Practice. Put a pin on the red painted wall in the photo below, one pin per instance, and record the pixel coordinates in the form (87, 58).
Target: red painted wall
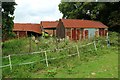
(102, 32)
(78, 34)
(106, 32)
(68, 33)
(86, 34)
(74, 35)
(20, 33)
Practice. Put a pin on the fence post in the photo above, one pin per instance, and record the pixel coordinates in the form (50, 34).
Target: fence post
(108, 41)
(78, 51)
(95, 45)
(46, 59)
(10, 63)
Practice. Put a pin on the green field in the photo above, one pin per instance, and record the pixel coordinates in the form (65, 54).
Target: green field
(105, 66)
(90, 63)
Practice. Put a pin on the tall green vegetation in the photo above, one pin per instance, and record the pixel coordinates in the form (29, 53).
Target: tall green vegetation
(7, 19)
(90, 60)
(108, 13)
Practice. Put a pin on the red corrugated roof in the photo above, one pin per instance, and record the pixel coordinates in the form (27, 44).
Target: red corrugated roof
(27, 27)
(77, 23)
(49, 24)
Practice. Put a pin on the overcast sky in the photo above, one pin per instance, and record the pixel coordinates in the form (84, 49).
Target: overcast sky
(34, 11)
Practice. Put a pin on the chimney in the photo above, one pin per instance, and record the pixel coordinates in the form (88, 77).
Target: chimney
(60, 20)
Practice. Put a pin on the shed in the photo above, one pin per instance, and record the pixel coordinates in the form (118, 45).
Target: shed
(49, 27)
(77, 29)
(26, 29)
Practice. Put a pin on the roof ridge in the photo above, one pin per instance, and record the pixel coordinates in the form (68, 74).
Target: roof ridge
(49, 21)
(83, 23)
(26, 23)
(83, 20)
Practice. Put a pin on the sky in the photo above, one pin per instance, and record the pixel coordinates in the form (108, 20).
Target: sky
(34, 11)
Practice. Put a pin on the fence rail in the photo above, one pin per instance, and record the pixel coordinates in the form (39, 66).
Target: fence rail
(46, 57)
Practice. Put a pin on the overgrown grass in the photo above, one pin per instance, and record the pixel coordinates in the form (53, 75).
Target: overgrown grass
(90, 63)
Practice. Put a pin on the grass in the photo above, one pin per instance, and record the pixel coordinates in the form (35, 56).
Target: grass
(96, 67)
(90, 64)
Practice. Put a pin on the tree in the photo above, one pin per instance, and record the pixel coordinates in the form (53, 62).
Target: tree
(7, 19)
(108, 13)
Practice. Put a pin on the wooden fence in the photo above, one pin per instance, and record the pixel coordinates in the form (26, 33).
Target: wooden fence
(46, 56)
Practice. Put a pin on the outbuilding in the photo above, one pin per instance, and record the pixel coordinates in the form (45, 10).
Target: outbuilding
(26, 29)
(49, 27)
(76, 29)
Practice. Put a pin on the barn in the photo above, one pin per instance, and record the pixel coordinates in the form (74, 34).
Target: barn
(76, 29)
(49, 27)
(26, 29)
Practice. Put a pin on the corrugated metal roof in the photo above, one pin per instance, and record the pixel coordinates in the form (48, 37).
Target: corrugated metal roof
(27, 27)
(77, 23)
(49, 24)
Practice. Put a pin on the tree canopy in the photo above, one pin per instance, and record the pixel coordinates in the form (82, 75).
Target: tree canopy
(7, 19)
(106, 12)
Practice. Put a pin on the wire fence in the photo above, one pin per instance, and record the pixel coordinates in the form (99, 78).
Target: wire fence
(46, 56)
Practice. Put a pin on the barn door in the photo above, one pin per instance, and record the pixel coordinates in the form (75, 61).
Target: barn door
(78, 34)
(106, 32)
(74, 34)
(101, 32)
(68, 33)
(82, 34)
(86, 34)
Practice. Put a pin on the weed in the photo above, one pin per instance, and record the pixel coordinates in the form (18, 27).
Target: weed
(51, 73)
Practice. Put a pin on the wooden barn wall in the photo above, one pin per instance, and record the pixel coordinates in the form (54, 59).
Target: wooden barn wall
(91, 32)
(80, 33)
(50, 32)
(97, 33)
(86, 33)
(20, 33)
(68, 33)
(103, 32)
(25, 34)
(74, 33)
(60, 30)
(106, 31)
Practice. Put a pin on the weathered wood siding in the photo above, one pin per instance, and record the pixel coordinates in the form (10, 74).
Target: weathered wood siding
(91, 32)
(68, 33)
(20, 33)
(95, 32)
(106, 31)
(51, 32)
(60, 30)
(74, 34)
(78, 34)
(103, 32)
